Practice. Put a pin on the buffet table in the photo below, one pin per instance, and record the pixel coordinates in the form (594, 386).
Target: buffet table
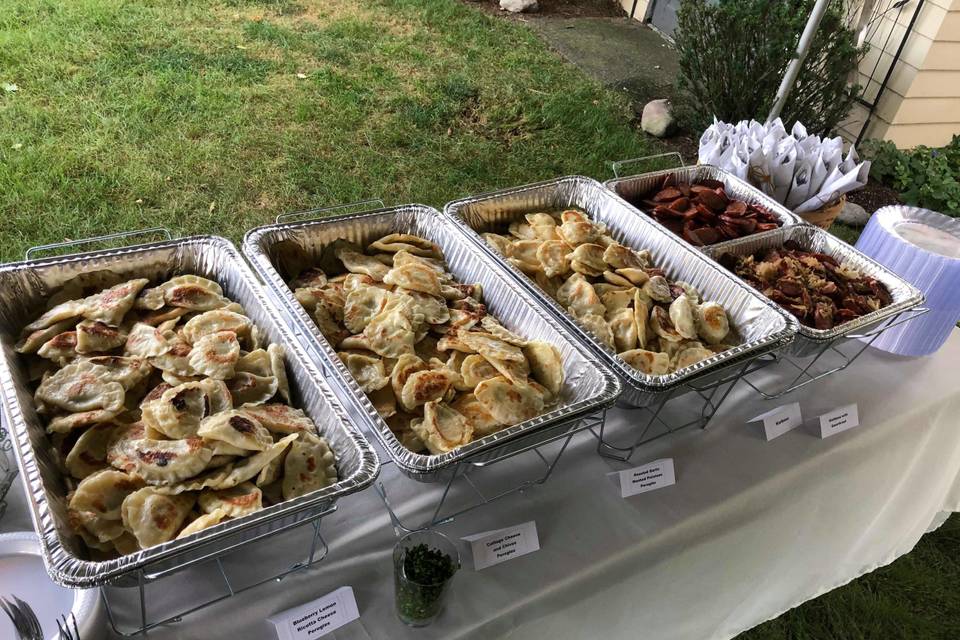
(751, 529)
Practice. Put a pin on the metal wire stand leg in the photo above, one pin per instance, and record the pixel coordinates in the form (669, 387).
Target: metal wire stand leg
(807, 369)
(710, 397)
(461, 475)
(318, 551)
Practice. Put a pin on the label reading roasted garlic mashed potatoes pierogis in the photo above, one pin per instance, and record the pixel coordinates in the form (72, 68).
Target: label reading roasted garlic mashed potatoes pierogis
(166, 411)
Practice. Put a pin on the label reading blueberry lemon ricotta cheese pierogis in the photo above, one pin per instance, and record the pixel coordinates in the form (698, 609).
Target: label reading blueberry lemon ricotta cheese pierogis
(317, 618)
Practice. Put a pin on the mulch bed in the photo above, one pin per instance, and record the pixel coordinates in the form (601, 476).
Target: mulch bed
(557, 9)
(873, 196)
(686, 144)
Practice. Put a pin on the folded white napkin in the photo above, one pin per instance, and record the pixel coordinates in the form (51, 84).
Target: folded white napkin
(801, 171)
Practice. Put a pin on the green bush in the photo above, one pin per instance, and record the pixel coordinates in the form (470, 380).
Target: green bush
(924, 177)
(733, 54)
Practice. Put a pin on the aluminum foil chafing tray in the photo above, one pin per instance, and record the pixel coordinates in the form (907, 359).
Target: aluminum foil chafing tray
(762, 326)
(632, 188)
(280, 250)
(24, 288)
(809, 340)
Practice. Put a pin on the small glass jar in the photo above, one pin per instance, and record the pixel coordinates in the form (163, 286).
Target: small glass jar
(419, 603)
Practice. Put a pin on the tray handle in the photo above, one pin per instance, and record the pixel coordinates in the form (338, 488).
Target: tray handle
(353, 207)
(32, 252)
(620, 164)
(905, 316)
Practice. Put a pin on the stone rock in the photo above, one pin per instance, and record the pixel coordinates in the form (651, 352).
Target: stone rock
(853, 215)
(657, 119)
(519, 6)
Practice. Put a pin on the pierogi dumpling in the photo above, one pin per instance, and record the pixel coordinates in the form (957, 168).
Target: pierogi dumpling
(81, 386)
(235, 502)
(154, 518)
(356, 262)
(94, 336)
(146, 341)
(475, 369)
(236, 428)
(442, 428)
(103, 492)
(144, 448)
(249, 388)
(682, 316)
(168, 461)
(202, 522)
(279, 419)
(480, 420)
(89, 453)
(193, 293)
(309, 466)
(215, 355)
(215, 321)
(649, 362)
(509, 403)
(367, 371)
(713, 322)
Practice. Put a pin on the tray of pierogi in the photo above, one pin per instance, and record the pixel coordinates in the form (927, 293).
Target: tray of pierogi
(445, 358)
(161, 412)
(662, 315)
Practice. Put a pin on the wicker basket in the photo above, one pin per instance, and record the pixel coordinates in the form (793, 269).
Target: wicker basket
(825, 215)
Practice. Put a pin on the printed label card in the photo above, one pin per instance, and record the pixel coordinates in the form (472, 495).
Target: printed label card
(839, 420)
(317, 618)
(780, 420)
(651, 476)
(493, 547)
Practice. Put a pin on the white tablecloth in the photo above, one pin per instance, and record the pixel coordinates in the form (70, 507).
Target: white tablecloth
(751, 529)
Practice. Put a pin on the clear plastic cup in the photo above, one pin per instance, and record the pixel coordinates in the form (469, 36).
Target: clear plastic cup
(419, 603)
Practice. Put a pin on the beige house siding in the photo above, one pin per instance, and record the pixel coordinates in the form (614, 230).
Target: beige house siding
(921, 102)
(929, 111)
(890, 29)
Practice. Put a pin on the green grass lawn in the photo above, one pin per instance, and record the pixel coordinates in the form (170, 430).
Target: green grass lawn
(213, 117)
(914, 598)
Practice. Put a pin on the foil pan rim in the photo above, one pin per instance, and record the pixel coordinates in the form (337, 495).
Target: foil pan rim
(67, 569)
(638, 380)
(403, 457)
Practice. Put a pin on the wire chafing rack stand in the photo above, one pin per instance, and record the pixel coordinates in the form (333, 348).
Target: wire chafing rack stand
(118, 598)
(829, 358)
(689, 404)
(472, 476)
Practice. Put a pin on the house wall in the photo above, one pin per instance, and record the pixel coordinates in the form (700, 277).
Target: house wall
(640, 13)
(921, 104)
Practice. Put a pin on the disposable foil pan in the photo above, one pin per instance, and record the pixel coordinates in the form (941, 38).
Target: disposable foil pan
(280, 250)
(762, 326)
(631, 188)
(24, 288)
(809, 340)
